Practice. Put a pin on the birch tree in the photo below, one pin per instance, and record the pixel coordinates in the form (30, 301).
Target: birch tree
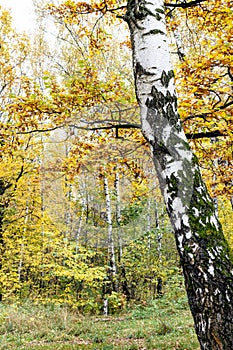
(111, 248)
(204, 252)
(118, 213)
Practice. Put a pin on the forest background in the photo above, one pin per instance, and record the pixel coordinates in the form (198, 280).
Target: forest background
(82, 221)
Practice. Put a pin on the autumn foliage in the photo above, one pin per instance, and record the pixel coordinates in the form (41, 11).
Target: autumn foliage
(69, 117)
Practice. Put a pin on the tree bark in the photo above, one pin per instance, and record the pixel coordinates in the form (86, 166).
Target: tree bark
(3, 206)
(204, 253)
(118, 213)
(111, 247)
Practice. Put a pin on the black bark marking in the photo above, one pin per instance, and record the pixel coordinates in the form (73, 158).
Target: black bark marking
(171, 98)
(173, 186)
(158, 17)
(139, 70)
(154, 32)
(172, 115)
(158, 101)
(166, 77)
(165, 105)
(159, 11)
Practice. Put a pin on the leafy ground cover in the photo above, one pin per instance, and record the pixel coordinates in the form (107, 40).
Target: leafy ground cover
(161, 324)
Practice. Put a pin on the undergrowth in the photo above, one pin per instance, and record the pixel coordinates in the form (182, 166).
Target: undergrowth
(161, 324)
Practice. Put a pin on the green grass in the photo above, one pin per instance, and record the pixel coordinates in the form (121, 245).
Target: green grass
(163, 324)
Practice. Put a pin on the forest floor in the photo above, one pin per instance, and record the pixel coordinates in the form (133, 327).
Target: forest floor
(162, 324)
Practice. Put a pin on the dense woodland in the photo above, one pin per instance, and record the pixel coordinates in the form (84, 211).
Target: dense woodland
(82, 219)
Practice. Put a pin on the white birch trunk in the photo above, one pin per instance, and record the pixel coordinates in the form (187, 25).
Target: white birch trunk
(77, 235)
(111, 249)
(159, 232)
(204, 252)
(118, 213)
(105, 307)
(68, 195)
(149, 222)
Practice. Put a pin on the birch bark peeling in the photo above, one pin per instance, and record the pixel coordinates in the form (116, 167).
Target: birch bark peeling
(205, 255)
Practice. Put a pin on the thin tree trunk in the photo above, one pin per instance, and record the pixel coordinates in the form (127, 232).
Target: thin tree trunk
(111, 248)
(157, 225)
(159, 234)
(118, 213)
(68, 193)
(149, 222)
(2, 243)
(77, 234)
(41, 161)
(20, 265)
(204, 253)
(3, 206)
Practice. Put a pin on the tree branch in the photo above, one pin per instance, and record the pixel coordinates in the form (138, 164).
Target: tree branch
(185, 4)
(108, 127)
(124, 125)
(111, 124)
(208, 134)
(33, 131)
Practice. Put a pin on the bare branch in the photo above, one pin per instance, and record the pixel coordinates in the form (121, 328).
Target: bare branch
(208, 134)
(185, 4)
(33, 131)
